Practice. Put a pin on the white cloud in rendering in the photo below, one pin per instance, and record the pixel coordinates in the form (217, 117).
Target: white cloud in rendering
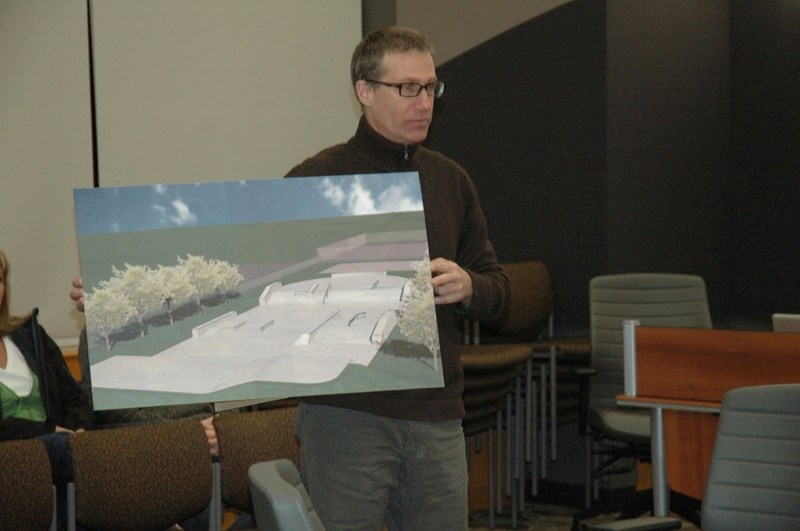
(332, 192)
(183, 214)
(396, 199)
(358, 200)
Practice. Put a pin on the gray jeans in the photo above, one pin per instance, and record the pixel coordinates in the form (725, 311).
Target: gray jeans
(363, 470)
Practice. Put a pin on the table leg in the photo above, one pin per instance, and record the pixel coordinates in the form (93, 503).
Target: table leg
(660, 486)
(553, 424)
(543, 413)
(529, 427)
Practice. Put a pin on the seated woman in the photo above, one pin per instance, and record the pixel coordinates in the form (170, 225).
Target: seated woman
(38, 394)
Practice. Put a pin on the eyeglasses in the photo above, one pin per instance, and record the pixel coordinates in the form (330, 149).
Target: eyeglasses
(412, 90)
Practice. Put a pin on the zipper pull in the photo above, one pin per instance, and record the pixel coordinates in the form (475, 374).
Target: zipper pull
(405, 153)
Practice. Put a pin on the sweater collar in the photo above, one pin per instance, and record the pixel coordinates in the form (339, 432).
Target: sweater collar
(380, 151)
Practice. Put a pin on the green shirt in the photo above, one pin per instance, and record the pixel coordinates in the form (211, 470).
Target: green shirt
(28, 407)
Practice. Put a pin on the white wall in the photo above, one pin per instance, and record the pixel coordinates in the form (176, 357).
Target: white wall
(186, 90)
(45, 151)
(212, 89)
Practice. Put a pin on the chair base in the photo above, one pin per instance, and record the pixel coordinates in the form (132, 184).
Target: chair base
(630, 502)
(636, 504)
(652, 523)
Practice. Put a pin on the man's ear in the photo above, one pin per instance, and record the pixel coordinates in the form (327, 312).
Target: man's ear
(364, 92)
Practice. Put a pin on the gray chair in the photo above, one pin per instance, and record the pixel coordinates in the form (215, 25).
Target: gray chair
(616, 436)
(754, 477)
(280, 500)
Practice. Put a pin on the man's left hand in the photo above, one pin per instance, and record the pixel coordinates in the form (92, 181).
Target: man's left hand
(450, 283)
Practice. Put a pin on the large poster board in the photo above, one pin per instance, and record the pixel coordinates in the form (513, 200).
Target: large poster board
(259, 289)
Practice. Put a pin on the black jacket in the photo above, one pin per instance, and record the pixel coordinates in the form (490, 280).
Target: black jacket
(65, 402)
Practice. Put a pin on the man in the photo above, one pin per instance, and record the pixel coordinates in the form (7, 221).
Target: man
(399, 457)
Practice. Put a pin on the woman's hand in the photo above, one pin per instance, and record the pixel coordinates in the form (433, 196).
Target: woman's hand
(62, 429)
(76, 293)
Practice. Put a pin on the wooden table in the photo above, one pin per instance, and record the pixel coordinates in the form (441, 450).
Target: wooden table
(682, 374)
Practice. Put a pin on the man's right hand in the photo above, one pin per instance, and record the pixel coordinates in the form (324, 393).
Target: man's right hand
(76, 293)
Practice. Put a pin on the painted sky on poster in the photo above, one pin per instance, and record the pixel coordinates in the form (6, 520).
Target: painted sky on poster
(120, 209)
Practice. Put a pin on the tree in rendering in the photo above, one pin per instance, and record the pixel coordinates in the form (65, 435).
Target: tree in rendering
(417, 320)
(106, 311)
(227, 277)
(175, 288)
(199, 272)
(139, 285)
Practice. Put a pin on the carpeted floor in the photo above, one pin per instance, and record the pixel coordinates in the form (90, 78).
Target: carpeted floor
(536, 516)
(540, 517)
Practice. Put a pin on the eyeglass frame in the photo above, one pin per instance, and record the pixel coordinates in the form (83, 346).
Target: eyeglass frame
(436, 87)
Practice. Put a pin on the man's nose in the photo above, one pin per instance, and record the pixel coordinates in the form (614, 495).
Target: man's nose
(423, 101)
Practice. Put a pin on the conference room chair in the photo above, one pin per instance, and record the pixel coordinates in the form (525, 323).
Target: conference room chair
(280, 499)
(493, 393)
(531, 322)
(530, 306)
(146, 477)
(27, 492)
(530, 309)
(616, 438)
(250, 437)
(754, 477)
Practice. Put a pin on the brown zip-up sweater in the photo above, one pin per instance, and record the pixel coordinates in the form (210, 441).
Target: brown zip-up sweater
(456, 231)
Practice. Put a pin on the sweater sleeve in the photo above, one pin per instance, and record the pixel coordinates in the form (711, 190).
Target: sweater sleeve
(491, 288)
(72, 408)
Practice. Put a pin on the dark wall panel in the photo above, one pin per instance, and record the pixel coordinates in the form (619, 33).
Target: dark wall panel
(765, 140)
(668, 125)
(525, 115)
(620, 135)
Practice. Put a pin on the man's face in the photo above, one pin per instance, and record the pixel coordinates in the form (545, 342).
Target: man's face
(400, 119)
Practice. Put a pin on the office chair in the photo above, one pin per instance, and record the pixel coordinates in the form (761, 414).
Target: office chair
(754, 478)
(280, 499)
(615, 435)
(530, 306)
(491, 348)
(492, 383)
(26, 486)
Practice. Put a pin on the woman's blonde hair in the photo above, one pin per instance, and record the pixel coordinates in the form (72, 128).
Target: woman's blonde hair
(8, 322)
